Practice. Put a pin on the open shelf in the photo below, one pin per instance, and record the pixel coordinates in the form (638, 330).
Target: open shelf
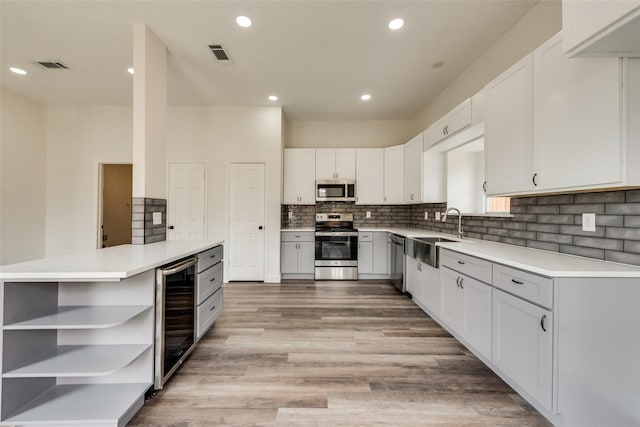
(81, 404)
(82, 317)
(79, 361)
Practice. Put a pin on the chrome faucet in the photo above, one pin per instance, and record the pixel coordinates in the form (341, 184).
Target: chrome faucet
(444, 218)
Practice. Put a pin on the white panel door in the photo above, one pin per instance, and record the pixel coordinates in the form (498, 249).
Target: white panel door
(246, 221)
(346, 163)
(522, 344)
(508, 125)
(393, 175)
(576, 119)
(370, 176)
(185, 216)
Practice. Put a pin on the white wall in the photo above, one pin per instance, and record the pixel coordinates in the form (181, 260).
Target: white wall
(347, 134)
(543, 21)
(22, 179)
(223, 135)
(78, 139)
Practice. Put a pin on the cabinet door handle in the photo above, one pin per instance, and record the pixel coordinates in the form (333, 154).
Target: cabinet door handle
(460, 262)
(535, 175)
(517, 282)
(461, 285)
(544, 316)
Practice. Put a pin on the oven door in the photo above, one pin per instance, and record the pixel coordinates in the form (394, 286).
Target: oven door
(336, 246)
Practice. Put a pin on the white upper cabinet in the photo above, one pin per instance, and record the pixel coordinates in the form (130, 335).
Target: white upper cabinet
(336, 163)
(413, 170)
(508, 130)
(299, 176)
(601, 28)
(457, 124)
(370, 176)
(577, 138)
(393, 175)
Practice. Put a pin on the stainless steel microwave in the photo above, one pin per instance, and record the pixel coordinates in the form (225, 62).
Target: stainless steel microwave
(336, 190)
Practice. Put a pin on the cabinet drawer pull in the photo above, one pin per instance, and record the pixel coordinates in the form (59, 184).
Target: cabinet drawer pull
(212, 308)
(517, 282)
(544, 316)
(460, 262)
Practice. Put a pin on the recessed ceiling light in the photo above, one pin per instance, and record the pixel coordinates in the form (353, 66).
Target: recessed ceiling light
(243, 21)
(17, 70)
(396, 24)
(130, 70)
(365, 97)
(273, 98)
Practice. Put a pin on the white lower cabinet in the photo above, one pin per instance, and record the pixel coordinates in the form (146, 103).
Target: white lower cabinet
(431, 296)
(522, 344)
(414, 277)
(466, 308)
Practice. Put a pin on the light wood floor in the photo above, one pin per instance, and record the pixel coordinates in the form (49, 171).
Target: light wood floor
(331, 354)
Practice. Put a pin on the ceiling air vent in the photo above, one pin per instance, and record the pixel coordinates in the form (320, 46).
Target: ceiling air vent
(219, 52)
(52, 64)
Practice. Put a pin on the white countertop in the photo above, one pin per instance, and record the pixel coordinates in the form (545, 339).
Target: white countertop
(109, 264)
(546, 263)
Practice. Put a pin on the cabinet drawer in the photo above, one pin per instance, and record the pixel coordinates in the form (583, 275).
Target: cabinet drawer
(473, 267)
(209, 257)
(297, 236)
(209, 281)
(531, 287)
(365, 236)
(208, 311)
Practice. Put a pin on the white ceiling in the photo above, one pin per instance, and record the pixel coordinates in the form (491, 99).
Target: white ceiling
(317, 56)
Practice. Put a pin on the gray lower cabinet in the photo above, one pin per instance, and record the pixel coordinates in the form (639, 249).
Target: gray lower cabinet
(373, 262)
(297, 255)
(209, 289)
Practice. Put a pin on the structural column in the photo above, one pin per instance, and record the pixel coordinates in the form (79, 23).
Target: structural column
(149, 205)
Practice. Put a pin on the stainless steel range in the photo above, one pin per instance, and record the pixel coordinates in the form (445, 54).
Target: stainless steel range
(336, 247)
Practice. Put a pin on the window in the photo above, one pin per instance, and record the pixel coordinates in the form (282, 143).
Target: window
(498, 204)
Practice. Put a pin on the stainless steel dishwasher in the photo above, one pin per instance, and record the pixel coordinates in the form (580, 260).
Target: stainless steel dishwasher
(396, 271)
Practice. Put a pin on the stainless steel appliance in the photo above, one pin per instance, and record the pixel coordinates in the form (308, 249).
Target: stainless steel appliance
(336, 247)
(424, 249)
(175, 317)
(396, 271)
(336, 190)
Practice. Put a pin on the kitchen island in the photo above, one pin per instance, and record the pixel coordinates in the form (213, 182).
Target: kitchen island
(77, 334)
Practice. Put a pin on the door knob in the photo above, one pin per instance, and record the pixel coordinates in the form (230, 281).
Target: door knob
(171, 227)
(260, 228)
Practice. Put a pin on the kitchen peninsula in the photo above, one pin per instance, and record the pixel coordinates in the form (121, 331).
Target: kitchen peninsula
(78, 333)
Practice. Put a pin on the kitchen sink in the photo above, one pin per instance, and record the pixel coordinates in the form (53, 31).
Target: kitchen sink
(424, 249)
